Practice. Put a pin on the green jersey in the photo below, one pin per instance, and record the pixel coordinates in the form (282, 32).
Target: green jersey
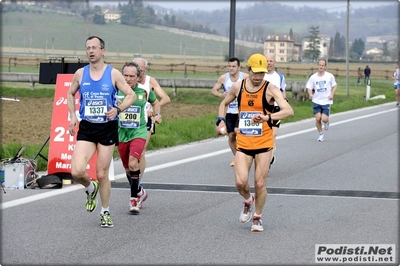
(132, 122)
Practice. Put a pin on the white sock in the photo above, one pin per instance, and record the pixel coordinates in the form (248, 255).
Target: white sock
(90, 188)
(105, 209)
(250, 199)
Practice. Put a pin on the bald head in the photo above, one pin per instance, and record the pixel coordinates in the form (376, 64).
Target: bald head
(142, 63)
(271, 63)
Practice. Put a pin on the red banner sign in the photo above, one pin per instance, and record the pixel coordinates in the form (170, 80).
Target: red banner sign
(62, 144)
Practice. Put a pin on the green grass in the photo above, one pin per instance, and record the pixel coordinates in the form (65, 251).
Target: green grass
(26, 30)
(182, 131)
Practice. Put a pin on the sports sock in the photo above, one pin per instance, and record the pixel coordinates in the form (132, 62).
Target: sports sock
(129, 179)
(90, 188)
(135, 183)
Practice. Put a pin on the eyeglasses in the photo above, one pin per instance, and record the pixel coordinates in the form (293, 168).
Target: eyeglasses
(93, 48)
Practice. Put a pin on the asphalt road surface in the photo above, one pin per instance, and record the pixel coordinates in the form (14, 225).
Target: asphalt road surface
(343, 191)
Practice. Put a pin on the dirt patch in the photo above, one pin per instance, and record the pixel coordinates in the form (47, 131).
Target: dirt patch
(29, 121)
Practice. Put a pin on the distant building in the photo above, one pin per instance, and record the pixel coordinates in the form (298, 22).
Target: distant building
(378, 41)
(282, 47)
(26, 3)
(374, 51)
(323, 46)
(112, 16)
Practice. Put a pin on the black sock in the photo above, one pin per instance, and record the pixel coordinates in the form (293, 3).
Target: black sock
(135, 175)
(129, 179)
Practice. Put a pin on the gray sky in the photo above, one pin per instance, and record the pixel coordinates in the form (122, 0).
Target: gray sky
(334, 6)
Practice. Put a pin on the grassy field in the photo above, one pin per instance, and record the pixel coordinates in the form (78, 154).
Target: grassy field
(181, 131)
(26, 30)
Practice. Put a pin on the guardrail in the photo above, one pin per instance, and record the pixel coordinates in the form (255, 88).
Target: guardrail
(32, 78)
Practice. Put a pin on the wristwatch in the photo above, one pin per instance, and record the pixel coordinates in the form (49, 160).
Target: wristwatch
(219, 119)
(159, 115)
(118, 110)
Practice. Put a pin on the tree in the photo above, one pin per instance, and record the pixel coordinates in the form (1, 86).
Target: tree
(385, 50)
(140, 14)
(98, 17)
(312, 50)
(127, 13)
(151, 16)
(337, 45)
(357, 47)
(342, 46)
(330, 52)
(291, 34)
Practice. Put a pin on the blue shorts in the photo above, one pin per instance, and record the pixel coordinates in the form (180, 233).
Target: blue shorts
(397, 86)
(324, 109)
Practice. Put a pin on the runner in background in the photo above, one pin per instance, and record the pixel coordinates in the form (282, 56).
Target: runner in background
(225, 82)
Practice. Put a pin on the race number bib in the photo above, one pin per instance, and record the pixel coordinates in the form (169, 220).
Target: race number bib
(246, 127)
(321, 86)
(233, 104)
(95, 110)
(130, 118)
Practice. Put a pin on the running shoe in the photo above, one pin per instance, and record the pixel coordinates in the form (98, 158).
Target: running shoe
(91, 197)
(133, 205)
(142, 198)
(105, 219)
(326, 125)
(232, 162)
(321, 137)
(257, 224)
(247, 212)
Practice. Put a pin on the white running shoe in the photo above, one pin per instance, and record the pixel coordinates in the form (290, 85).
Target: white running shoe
(321, 137)
(326, 125)
(257, 224)
(247, 212)
(133, 205)
(142, 198)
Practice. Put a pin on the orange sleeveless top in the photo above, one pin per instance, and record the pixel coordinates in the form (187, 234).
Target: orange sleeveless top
(253, 136)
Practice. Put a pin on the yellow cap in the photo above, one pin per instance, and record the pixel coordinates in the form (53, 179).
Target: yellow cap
(258, 63)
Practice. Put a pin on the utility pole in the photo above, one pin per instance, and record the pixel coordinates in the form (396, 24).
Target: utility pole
(398, 37)
(347, 49)
(232, 29)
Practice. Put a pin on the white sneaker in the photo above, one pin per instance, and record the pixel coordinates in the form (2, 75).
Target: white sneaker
(142, 198)
(232, 162)
(247, 212)
(326, 125)
(321, 137)
(134, 208)
(257, 224)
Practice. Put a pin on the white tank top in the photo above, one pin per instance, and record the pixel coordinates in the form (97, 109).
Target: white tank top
(233, 106)
(146, 87)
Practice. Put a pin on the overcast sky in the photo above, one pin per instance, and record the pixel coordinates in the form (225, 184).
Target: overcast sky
(334, 6)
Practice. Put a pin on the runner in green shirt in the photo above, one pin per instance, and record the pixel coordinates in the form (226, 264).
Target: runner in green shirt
(132, 132)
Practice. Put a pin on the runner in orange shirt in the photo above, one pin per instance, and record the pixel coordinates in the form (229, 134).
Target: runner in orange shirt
(255, 139)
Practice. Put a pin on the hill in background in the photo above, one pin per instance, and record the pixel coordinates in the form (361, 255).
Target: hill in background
(58, 30)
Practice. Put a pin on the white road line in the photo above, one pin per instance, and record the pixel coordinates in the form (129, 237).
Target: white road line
(64, 190)
(13, 203)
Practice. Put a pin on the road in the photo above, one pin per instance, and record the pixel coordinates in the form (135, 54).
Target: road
(344, 190)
